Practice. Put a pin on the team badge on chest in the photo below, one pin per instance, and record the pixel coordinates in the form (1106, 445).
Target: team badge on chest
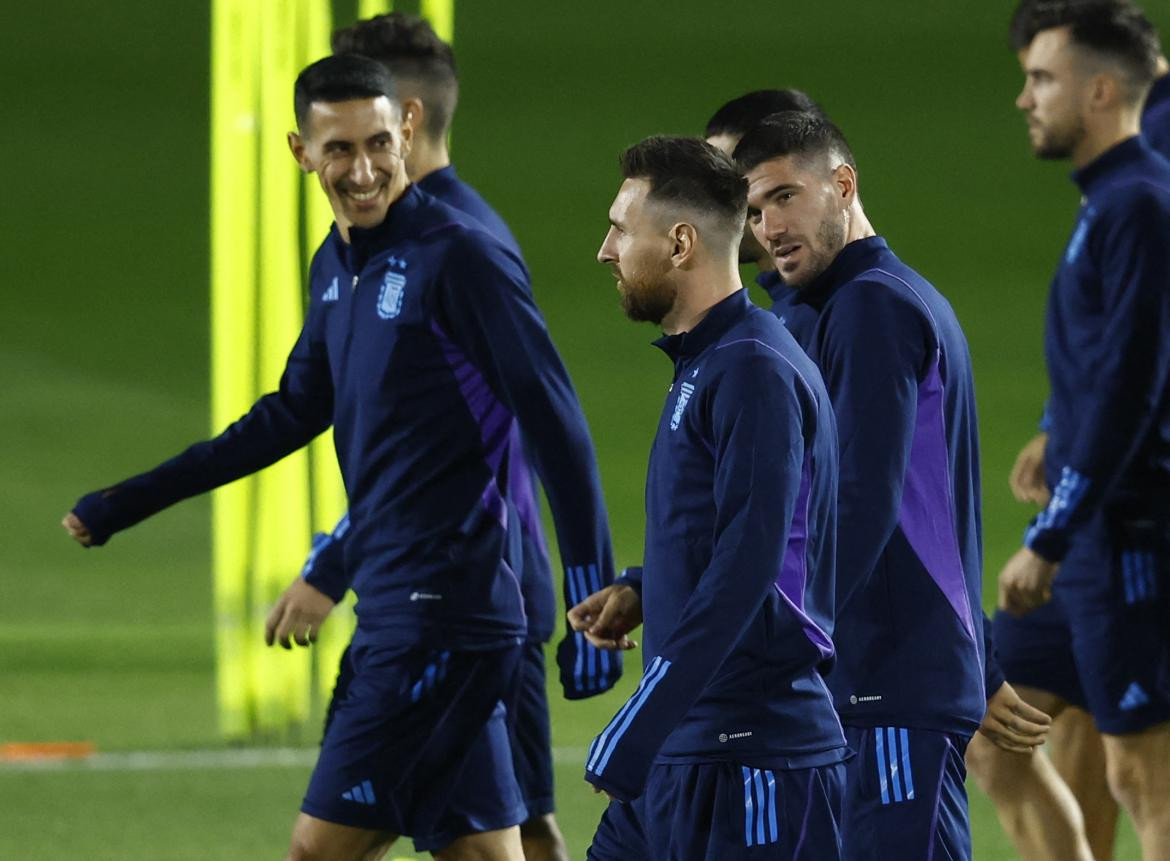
(390, 296)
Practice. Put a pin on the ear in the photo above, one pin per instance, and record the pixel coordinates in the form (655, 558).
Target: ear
(296, 146)
(414, 112)
(1103, 91)
(410, 121)
(845, 185)
(684, 241)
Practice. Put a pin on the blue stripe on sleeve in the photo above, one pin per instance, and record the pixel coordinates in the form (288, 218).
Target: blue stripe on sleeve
(649, 683)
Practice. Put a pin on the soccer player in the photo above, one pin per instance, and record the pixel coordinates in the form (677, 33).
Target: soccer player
(730, 747)
(420, 345)
(909, 678)
(1107, 342)
(424, 70)
(725, 129)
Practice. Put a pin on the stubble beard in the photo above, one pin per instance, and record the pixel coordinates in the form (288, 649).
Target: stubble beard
(645, 300)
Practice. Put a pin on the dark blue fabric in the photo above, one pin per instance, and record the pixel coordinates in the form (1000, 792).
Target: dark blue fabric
(1114, 589)
(325, 570)
(799, 318)
(421, 345)
(530, 733)
(909, 537)
(905, 796)
(1107, 344)
(737, 581)
(417, 744)
(1036, 651)
(725, 811)
(1156, 116)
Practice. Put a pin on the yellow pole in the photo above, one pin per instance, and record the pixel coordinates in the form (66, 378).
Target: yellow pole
(233, 286)
(282, 521)
(441, 15)
(370, 8)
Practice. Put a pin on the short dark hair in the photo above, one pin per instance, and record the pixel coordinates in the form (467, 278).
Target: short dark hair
(739, 116)
(340, 78)
(1117, 31)
(413, 52)
(691, 172)
(792, 133)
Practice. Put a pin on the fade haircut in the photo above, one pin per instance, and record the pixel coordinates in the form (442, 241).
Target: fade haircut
(1115, 32)
(340, 79)
(415, 55)
(739, 116)
(689, 172)
(798, 133)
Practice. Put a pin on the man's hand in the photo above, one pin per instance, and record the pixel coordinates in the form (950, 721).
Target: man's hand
(1027, 476)
(606, 617)
(77, 530)
(298, 614)
(1025, 582)
(1012, 724)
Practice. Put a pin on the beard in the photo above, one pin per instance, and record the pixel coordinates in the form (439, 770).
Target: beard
(646, 300)
(830, 239)
(1059, 142)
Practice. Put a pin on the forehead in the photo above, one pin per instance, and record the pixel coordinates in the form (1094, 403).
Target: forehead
(786, 170)
(355, 118)
(630, 200)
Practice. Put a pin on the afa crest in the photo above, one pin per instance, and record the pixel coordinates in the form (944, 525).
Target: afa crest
(390, 296)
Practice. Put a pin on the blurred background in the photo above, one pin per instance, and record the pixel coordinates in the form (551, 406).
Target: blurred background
(104, 356)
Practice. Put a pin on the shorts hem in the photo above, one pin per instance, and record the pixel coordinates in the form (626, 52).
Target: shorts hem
(538, 807)
(357, 821)
(433, 842)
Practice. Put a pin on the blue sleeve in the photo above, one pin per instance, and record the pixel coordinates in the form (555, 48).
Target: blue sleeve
(1130, 384)
(324, 568)
(758, 448)
(277, 425)
(488, 309)
(631, 577)
(993, 677)
(874, 352)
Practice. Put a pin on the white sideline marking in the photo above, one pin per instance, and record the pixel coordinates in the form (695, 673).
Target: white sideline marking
(212, 758)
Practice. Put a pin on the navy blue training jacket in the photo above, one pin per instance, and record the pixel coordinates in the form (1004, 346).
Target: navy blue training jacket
(1156, 116)
(421, 344)
(325, 568)
(737, 585)
(799, 318)
(911, 650)
(1107, 344)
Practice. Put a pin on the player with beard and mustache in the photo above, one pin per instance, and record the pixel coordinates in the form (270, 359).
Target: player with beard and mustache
(730, 747)
(1107, 343)
(909, 679)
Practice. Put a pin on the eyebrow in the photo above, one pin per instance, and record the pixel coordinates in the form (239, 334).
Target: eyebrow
(616, 223)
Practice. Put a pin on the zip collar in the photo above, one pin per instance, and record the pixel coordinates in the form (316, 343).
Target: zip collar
(720, 318)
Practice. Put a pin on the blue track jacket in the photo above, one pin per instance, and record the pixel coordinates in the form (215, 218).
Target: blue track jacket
(420, 345)
(737, 585)
(1107, 344)
(325, 567)
(910, 639)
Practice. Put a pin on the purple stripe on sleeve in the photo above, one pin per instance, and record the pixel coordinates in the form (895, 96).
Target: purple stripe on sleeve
(793, 575)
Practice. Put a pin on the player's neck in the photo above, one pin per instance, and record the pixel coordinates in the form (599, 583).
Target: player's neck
(425, 158)
(701, 290)
(1104, 136)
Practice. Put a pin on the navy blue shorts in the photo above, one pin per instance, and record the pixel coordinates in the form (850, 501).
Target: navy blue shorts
(1114, 585)
(530, 736)
(904, 796)
(1036, 650)
(416, 743)
(722, 811)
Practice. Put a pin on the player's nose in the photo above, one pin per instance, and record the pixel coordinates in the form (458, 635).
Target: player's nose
(361, 172)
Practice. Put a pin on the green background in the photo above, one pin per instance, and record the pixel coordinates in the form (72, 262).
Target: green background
(104, 328)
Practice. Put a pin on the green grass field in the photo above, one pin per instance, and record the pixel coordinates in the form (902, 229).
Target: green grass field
(104, 330)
